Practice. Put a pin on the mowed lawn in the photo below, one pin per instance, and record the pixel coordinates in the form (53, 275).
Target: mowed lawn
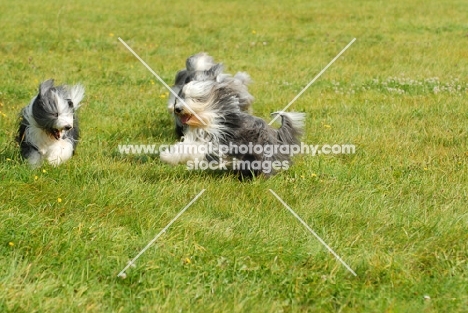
(395, 211)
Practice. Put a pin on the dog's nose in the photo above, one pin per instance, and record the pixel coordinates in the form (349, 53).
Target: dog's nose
(177, 109)
(67, 128)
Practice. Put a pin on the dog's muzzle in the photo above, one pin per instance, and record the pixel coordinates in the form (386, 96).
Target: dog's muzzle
(58, 133)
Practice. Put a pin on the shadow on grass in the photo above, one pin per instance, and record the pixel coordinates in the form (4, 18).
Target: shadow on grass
(181, 175)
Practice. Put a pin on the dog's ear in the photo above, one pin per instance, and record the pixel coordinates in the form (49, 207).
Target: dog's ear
(76, 93)
(214, 71)
(191, 62)
(45, 86)
(181, 77)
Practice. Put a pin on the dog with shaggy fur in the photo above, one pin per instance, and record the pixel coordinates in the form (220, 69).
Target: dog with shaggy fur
(212, 117)
(48, 128)
(202, 67)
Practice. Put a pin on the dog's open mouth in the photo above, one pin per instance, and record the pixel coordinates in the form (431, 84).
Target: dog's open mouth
(55, 133)
(185, 118)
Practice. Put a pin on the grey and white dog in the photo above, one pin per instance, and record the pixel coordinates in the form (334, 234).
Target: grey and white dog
(49, 126)
(202, 67)
(213, 119)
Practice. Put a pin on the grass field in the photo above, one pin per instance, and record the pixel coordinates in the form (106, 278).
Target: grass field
(395, 211)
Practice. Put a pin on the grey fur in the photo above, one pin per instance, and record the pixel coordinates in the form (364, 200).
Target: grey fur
(44, 107)
(234, 126)
(43, 114)
(201, 67)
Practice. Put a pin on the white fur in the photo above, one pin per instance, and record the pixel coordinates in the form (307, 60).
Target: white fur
(196, 95)
(172, 98)
(243, 77)
(182, 152)
(203, 62)
(198, 89)
(197, 139)
(77, 93)
(297, 119)
(49, 149)
(64, 119)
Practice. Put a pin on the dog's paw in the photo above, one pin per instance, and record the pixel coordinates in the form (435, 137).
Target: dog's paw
(182, 152)
(167, 157)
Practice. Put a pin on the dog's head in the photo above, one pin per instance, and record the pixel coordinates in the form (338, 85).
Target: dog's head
(194, 107)
(203, 104)
(54, 107)
(200, 67)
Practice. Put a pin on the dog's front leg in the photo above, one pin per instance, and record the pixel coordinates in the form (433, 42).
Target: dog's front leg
(182, 152)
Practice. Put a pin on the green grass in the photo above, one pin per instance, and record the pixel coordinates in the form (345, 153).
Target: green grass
(395, 211)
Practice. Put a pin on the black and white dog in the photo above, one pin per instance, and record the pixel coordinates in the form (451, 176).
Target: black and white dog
(49, 126)
(213, 121)
(202, 67)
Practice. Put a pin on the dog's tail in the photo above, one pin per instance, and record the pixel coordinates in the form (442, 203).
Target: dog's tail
(292, 127)
(76, 95)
